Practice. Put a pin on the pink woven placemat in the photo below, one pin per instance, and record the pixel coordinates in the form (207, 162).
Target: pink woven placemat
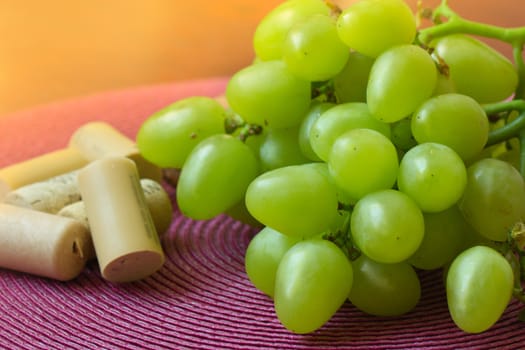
(201, 298)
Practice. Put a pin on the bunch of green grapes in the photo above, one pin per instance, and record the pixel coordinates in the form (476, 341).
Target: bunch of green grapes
(367, 150)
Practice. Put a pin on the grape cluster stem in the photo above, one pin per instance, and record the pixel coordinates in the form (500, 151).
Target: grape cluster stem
(514, 251)
(447, 22)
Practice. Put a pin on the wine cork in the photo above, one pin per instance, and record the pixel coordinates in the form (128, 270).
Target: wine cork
(124, 236)
(96, 140)
(40, 168)
(41, 244)
(157, 201)
(49, 196)
(159, 204)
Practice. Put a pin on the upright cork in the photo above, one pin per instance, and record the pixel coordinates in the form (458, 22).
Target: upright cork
(123, 233)
(157, 201)
(96, 140)
(42, 244)
(40, 168)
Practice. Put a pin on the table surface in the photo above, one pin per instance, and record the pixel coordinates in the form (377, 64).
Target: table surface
(201, 298)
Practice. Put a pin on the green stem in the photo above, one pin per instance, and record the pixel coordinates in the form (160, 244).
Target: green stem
(522, 151)
(233, 124)
(457, 24)
(512, 250)
(505, 106)
(510, 130)
(517, 51)
(248, 130)
(515, 128)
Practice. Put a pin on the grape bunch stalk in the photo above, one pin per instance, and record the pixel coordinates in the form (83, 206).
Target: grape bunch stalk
(365, 149)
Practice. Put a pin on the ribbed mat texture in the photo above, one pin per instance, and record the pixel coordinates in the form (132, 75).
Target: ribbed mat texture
(201, 298)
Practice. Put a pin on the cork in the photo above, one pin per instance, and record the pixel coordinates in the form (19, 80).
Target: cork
(126, 242)
(159, 204)
(41, 244)
(96, 140)
(157, 201)
(49, 196)
(40, 168)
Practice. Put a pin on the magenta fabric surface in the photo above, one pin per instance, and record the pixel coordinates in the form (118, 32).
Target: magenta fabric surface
(201, 298)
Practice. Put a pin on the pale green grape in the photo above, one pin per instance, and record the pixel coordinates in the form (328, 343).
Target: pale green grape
(433, 175)
(313, 280)
(263, 255)
(168, 136)
(401, 134)
(476, 69)
(373, 26)
(494, 199)
(342, 197)
(279, 148)
(479, 287)
(240, 213)
(268, 94)
(511, 156)
(350, 84)
(363, 161)
(384, 289)
(473, 238)
(305, 128)
(215, 176)
(387, 226)
(312, 49)
(297, 200)
(400, 80)
(444, 85)
(339, 119)
(273, 28)
(454, 120)
(444, 239)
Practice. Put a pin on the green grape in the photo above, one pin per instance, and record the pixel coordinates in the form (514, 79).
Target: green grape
(373, 26)
(339, 119)
(240, 213)
(350, 84)
(342, 197)
(479, 287)
(511, 156)
(384, 289)
(476, 69)
(400, 80)
(401, 134)
(215, 176)
(362, 161)
(454, 120)
(444, 85)
(268, 94)
(494, 199)
(297, 200)
(255, 141)
(472, 238)
(273, 28)
(305, 128)
(387, 226)
(312, 49)
(313, 280)
(168, 136)
(279, 148)
(263, 255)
(444, 238)
(433, 175)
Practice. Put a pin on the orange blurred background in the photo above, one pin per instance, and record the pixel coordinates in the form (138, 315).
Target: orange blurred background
(57, 49)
